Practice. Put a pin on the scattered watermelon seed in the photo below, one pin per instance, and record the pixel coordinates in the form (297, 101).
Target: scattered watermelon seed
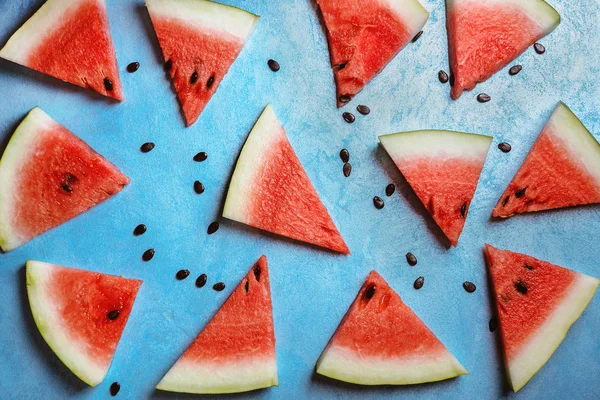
(347, 169)
(67, 188)
(213, 227)
(529, 267)
(114, 314)
(419, 283)
(469, 287)
(493, 324)
(515, 69)
(182, 274)
(345, 155)
(505, 201)
(139, 230)
(198, 187)
(257, 273)
(194, 78)
(417, 36)
(505, 147)
(520, 193)
(202, 156)
(345, 98)
(370, 291)
(362, 109)
(147, 147)
(539, 48)
(114, 388)
(108, 85)
(274, 65)
(483, 98)
(443, 76)
(247, 286)
(390, 189)
(201, 281)
(168, 65)
(463, 209)
(219, 286)
(132, 67)
(521, 287)
(148, 255)
(378, 202)
(411, 259)
(348, 117)
(210, 81)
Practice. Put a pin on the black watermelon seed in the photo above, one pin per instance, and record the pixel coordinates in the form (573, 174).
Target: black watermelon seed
(139, 230)
(378, 202)
(520, 193)
(348, 117)
(202, 156)
(210, 81)
(515, 69)
(505, 201)
(483, 98)
(213, 227)
(147, 147)
(451, 80)
(493, 324)
(198, 187)
(505, 147)
(390, 189)
(114, 388)
(66, 188)
(247, 285)
(469, 287)
(345, 155)
(219, 286)
(419, 283)
(521, 287)
(194, 78)
(134, 66)
(182, 274)
(463, 209)
(411, 259)
(340, 66)
(148, 255)
(201, 281)
(168, 65)
(539, 48)
(257, 273)
(274, 65)
(529, 267)
(417, 36)
(364, 110)
(108, 85)
(114, 314)
(347, 169)
(370, 291)
(443, 76)
(345, 98)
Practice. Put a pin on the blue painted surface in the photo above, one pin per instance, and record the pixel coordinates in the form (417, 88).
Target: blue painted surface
(311, 288)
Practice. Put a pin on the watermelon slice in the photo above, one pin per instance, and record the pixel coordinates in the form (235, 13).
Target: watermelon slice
(443, 168)
(364, 35)
(537, 304)
(200, 40)
(48, 176)
(381, 341)
(236, 350)
(80, 314)
(486, 35)
(562, 169)
(69, 40)
(270, 190)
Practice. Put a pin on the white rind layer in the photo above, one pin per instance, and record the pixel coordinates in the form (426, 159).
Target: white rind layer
(204, 14)
(413, 14)
(540, 347)
(577, 140)
(37, 28)
(187, 377)
(263, 135)
(436, 145)
(20, 146)
(49, 324)
(348, 366)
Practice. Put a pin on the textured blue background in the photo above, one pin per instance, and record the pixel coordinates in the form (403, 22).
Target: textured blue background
(311, 288)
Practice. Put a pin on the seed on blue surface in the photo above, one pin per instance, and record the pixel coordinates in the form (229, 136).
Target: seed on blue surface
(132, 67)
(483, 98)
(419, 283)
(348, 117)
(493, 324)
(539, 48)
(417, 36)
(114, 388)
(114, 314)
(198, 187)
(378, 202)
(108, 85)
(364, 110)
(147, 147)
(202, 156)
(273, 65)
(345, 155)
(139, 230)
(213, 227)
(182, 274)
(201, 281)
(219, 286)
(469, 286)
(411, 259)
(347, 169)
(505, 147)
(148, 255)
(390, 189)
(443, 76)
(515, 69)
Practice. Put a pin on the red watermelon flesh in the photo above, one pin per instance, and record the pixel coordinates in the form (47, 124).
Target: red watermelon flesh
(443, 169)
(270, 190)
(200, 40)
(69, 40)
(485, 35)
(562, 169)
(537, 303)
(235, 352)
(71, 307)
(48, 176)
(381, 341)
(364, 35)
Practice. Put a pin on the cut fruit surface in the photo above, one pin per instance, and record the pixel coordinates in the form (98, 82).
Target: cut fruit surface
(270, 190)
(485, 35)
(236, 350)
(80, 314)
(48, 176)
(443, 168)
(69, 40)
(381, 341)
(562, 169)
(200, 39)
(364, 35)
(537, 303)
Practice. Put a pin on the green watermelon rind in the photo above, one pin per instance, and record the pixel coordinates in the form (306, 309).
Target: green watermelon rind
(412, 13)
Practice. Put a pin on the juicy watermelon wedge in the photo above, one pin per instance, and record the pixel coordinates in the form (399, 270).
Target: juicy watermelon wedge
(486, 35)
(236, 350)
(69, 40)
(443, 169)
(48, 176)
(562, 169)
(364, 36)
(71, 307)
(381, 341)
(537, 304)
(200, 40)
(270, 190)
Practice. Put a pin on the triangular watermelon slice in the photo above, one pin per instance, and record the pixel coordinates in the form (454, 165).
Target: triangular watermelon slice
(364, 36)
(443, 168)
(381, 341)
(270, 190)
(200, 39)
(80, 314)
(69, 40)
(537, 304)
(486, 35)
(236, 350)
(562, 169)
(48, 176)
